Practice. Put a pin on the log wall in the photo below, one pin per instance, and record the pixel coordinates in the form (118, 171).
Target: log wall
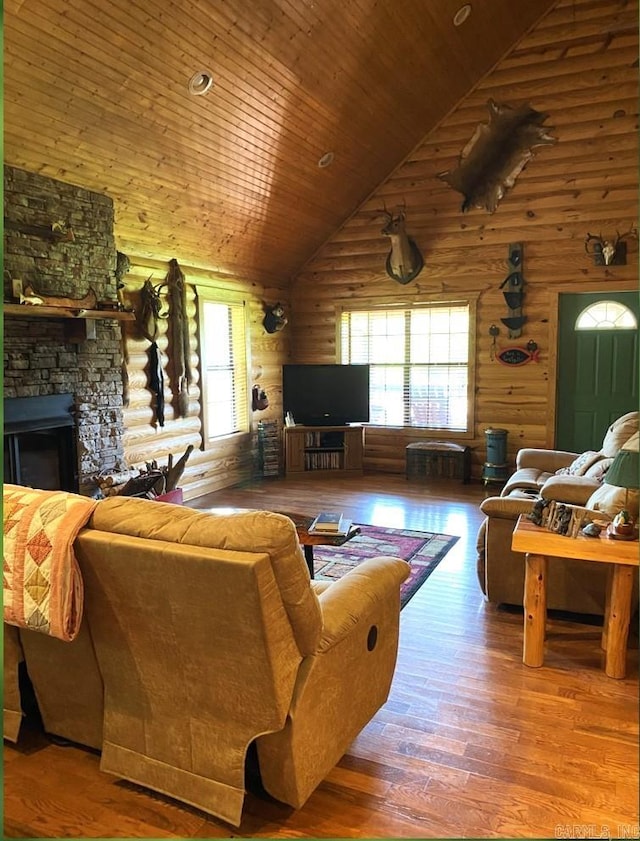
(234, 459)
(579, 65)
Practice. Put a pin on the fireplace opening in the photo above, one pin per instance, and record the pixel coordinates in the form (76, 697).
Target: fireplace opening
(40, 448)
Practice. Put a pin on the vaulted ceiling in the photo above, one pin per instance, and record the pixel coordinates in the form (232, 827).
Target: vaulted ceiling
(96, 93)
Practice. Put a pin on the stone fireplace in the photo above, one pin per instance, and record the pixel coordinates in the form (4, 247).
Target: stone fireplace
(82, 378)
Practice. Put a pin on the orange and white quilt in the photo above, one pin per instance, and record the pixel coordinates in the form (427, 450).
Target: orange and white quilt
(42, 585)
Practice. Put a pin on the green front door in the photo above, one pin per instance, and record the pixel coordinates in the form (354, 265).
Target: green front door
(597, 368)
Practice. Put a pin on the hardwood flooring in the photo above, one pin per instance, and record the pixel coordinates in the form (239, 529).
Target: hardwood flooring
(471, 742)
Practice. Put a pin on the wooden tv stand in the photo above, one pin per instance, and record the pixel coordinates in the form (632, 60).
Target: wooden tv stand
(323, 450)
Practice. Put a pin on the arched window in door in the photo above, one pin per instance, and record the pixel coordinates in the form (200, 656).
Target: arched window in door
(606, 315)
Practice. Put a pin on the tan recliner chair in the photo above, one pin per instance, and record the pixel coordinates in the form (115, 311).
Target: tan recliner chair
(66, 681)
(12, 708)
(208, 635)
(573, 478)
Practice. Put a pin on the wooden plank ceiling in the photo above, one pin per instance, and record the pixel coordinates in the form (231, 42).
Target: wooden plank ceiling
(96, 94)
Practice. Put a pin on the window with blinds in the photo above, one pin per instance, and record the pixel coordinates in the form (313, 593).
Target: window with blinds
(223, 339)
(419, 358)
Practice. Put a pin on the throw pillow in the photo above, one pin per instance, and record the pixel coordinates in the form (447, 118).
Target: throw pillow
(619, 432)
(581, 464)
(597, 470)
(609, 499)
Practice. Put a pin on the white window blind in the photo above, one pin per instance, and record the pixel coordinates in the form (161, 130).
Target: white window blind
(419, 360)
(224, 366)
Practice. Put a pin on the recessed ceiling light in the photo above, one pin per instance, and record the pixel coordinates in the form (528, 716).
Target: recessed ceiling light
(326, 160)
(462, 14)
(200, 83)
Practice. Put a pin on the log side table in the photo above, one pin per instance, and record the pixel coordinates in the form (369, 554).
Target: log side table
(539, 545)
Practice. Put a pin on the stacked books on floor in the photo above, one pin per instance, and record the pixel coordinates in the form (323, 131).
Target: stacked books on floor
(330, 523)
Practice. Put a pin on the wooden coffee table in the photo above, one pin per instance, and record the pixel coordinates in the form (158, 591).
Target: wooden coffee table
(308, 541)
(302, 523)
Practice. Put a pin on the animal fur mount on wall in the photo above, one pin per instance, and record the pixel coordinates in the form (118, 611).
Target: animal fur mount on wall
(147, 316)
(179, 351)
(178, 335)
(274, 318)
(496, 154)
(404, 261)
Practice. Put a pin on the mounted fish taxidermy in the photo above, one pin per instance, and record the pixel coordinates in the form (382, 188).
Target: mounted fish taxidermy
(405, 261)
(496, 154)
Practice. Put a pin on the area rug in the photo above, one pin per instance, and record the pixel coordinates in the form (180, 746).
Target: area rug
(422, 550)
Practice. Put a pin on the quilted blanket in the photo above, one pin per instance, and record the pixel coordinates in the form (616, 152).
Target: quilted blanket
(42, 585)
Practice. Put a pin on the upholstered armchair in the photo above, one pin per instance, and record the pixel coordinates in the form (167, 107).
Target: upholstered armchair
(12, 661)
(574, 478)
(203, 634)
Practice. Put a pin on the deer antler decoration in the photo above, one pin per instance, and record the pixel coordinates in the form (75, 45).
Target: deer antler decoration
(607, 252)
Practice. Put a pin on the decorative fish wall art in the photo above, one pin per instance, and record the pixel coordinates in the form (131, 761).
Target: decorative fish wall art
(519, 355)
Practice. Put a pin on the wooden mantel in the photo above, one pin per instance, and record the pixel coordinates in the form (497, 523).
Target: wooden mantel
(77, 329)
(27, 311)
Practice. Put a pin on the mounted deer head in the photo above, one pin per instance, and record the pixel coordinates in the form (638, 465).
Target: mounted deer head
(606, 252)
(405, 261)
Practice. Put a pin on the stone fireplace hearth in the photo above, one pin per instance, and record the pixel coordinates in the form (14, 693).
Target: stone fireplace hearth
(39, 358)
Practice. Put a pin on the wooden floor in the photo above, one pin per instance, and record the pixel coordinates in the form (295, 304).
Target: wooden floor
(471, 743)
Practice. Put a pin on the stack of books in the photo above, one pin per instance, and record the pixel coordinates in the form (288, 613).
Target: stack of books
(330, 523)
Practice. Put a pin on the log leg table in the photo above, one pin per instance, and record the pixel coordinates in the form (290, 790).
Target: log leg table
(539, 545)
(302, 523)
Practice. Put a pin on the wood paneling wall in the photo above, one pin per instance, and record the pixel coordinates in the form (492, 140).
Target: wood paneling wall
(579, 65)
(234, 458)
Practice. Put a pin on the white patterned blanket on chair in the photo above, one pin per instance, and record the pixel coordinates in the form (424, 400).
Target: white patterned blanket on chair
(42, 585)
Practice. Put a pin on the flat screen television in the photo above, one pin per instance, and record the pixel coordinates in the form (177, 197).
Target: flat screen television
(326, 395)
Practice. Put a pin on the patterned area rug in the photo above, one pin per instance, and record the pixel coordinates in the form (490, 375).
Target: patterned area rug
(422, 550)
